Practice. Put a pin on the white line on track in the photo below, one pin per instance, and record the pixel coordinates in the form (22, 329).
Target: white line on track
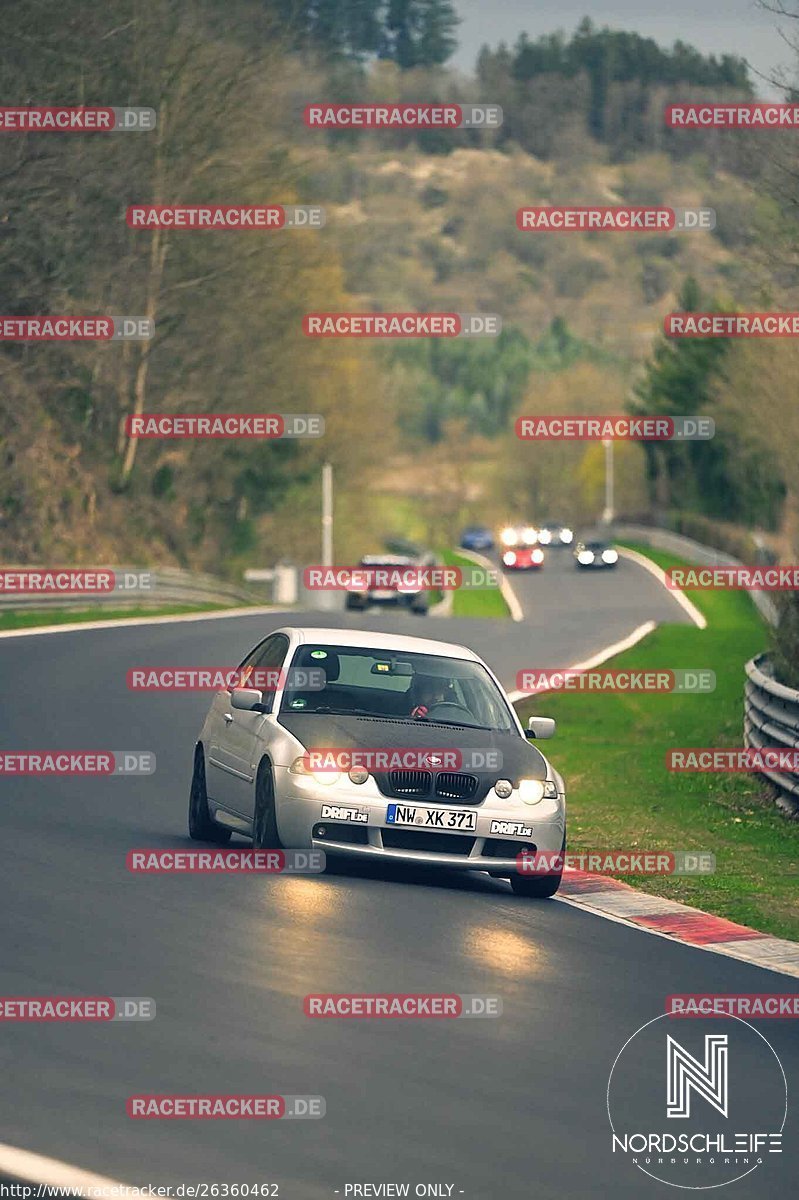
(600, 657)
(127, 623)
(508, 594)
(35, 1168)
(653, 569)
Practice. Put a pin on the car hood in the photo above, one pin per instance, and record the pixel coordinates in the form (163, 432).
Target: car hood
(317, 731)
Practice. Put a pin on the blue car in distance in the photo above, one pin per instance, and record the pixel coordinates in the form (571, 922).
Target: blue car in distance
(477, 537)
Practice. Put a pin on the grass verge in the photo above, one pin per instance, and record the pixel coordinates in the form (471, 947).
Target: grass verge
(481, 602)
(611, 750)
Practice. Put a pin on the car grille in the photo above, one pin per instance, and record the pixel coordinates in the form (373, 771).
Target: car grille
(430, 843)
(452, 785)
(443, 787)
(410, 783)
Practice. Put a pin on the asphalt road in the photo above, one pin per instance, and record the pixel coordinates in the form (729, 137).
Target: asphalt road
(511, 1107)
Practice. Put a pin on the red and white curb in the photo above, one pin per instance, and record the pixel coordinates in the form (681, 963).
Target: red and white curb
(617, 901)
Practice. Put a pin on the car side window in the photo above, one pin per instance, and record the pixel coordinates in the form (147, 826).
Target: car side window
(267, 655)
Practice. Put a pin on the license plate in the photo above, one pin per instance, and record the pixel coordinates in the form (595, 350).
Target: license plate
(431, 818)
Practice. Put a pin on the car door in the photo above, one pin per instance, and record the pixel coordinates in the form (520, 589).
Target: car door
(232, 758)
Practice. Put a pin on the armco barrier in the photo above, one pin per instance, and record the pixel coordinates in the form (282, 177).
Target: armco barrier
(771, 710)
(170, 585)
(771, 719)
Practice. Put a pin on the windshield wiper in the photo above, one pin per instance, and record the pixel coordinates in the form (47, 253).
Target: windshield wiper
(459, 725)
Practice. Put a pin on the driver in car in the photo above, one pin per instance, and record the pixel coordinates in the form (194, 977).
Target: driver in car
(427, 691)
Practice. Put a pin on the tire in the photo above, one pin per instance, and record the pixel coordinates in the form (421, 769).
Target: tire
(352, 603)
(202, 826)
(264, 825)
(538, 887)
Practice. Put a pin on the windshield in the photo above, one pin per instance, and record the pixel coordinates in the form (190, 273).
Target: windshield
(397, 685)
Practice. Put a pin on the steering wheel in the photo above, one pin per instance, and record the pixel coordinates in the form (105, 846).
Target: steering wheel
(440, 712)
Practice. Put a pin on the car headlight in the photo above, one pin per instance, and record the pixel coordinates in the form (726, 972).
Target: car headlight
(610, 556)
(585, 557)
(503, 788)
(300, 767)
(532, 791)
(358, 775)
(509, 558)
(566, 535)
(508, 537)
(537, 555)
(544, 536)
(530, 534)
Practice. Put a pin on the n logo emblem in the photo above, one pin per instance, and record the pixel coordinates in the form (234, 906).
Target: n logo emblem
(708, 1079)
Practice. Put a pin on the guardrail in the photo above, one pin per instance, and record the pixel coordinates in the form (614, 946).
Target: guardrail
(168, 585)
(771, 719)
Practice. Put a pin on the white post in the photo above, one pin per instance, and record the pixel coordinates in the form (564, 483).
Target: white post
(327, 600)
(608, 514)
(327, 515)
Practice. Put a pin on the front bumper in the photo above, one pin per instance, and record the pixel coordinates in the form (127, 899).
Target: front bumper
(301, 801)
(364, 599)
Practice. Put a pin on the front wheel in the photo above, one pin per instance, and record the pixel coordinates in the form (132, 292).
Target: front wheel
(264, 826)
(539, 887)
(202, 826)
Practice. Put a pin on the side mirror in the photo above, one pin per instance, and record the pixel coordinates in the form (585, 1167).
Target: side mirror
(540, 727)
(248, 699)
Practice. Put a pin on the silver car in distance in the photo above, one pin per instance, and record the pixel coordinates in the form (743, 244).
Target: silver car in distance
(403, 749)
